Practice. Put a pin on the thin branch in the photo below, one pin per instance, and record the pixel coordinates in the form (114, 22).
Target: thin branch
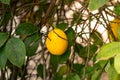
(48, 12)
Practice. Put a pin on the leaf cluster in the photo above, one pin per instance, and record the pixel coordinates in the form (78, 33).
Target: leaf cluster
(24, 26)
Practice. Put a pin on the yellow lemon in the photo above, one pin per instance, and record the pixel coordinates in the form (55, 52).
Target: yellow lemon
(56, 42)
(115, 25)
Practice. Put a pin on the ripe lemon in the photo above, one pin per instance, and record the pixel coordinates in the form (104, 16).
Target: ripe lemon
(115, 25)
(56, 42)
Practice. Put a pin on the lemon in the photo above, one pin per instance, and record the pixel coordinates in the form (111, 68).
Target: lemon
(56, 42)
(115, 25)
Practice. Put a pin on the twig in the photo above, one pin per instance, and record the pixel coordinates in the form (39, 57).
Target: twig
(48, 12)
(14, 73)
(88, 49)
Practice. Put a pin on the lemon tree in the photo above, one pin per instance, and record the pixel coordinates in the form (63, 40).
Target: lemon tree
(75, 49)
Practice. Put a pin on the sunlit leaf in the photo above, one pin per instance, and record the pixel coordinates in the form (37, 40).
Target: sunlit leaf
(118, 33)
(95, 4)
(108, 51)
(112, 73)
(15, 51)
(117, 63)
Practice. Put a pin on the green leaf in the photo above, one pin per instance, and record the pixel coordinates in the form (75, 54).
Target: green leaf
(62, 26)
(57, 77)
(43, 6)
(15, 51)
(96, 75)
(78, 47)
(112, 74)
(79, 69)
(93, 49)
(76, 18)
(61, 58)
(118, 33)
(5, 1)
(26, 29)
(73, 76)
(117, 63)
(55, 60)
(90, 70)
(40, 70)
(4, 21)
(96, 36)
(32, 43)
(95, 4)
(108, 51)
(3, 38)
(102, 63)
(82, 51)
(68, 2)
(64, 78)
(64, 69)
(3, 57)
(117, 9)
(71, 35)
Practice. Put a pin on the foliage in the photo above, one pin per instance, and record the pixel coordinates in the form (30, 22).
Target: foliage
(24, 25)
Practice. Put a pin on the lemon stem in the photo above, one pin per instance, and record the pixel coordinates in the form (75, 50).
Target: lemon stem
(59, 35)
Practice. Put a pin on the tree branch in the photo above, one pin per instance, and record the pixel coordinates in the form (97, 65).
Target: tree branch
(48, 12)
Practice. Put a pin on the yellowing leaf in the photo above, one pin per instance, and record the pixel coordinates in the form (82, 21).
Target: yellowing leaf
(117, 63)
(108, 51)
